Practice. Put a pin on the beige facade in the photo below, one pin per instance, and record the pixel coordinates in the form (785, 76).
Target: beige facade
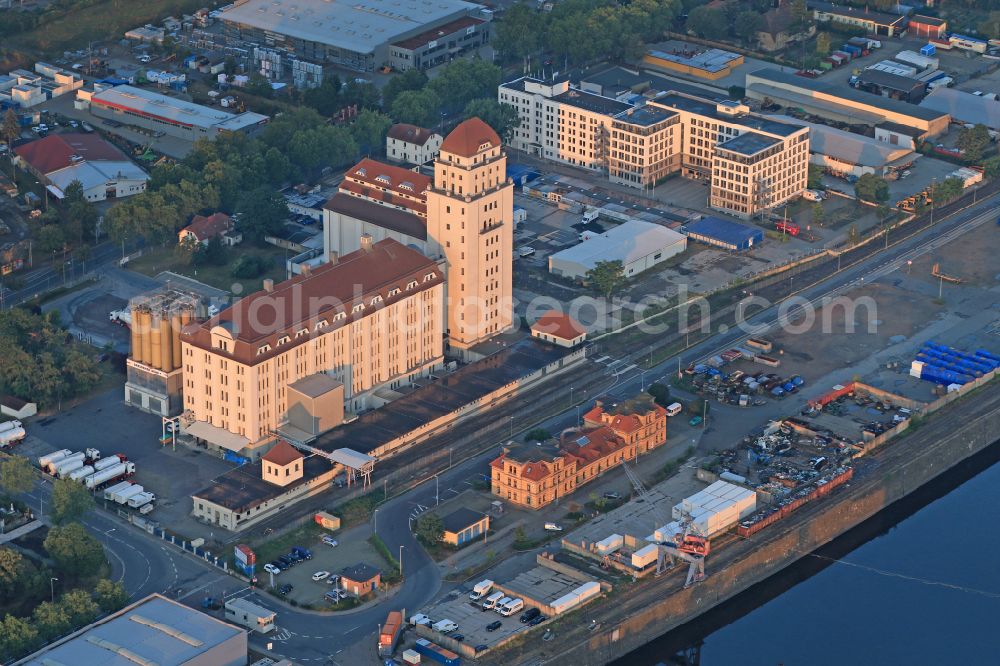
(412, 144)
(372, 319)
(641, 145)
(752, 163)
(470, 220)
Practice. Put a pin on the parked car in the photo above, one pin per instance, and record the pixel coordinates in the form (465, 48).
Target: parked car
(420, 618)
(271, 569)
(552, 527)
(329, 540)
(612, 495)
(321, 575)
(695, 421)
(529, 615)
(538, 619)
(526, 251)
(481, 647)
(493, 626)
(286, 560)
(285, 589)
(279, 565)
(457, 637)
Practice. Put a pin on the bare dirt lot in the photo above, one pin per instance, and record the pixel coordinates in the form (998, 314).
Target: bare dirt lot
(880, 312)
(973, 259)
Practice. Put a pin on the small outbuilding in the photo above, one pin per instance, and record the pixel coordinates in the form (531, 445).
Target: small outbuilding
(360, 579)
(725, 234)
(464, 525)
(559, 329)
(16, 408)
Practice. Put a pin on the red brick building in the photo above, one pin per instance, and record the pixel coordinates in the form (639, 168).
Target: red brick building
(534, 475)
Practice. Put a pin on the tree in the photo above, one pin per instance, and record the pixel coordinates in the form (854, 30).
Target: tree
(417, 107)
(51, 620)
(815, 177)
(823, 44)
(462, 81)
(872, 189)
(947, 190)
(430, 529)
(262, 212)
(707, 22)
(11, 129)
(80, 214)
(503, 118)
(12, 571)
(362, 93)
(537, 435)
(259, 85)
(49, 239)
(991, 167)
(974, 141)
(17, 636)
(70, 501)
(607, 276)
(817, 214)
(213, 253)
(110, 596)
(79, 607)
(187, 250)
(800, 14)
(369, 130)
(852, 235)
(660, 393)
(74, 550)
(411, 79)
(325, 97)
(16, 475)
(747, 25)
(519, 34)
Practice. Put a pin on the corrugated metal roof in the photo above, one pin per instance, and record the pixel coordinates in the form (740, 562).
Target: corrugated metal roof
(724, 230)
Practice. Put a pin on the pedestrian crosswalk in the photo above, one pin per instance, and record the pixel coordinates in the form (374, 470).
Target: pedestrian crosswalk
(616, 367)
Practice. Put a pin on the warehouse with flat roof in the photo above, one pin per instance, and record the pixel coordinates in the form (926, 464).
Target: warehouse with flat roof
(964, 107)
(725, 234)
(345, 32)
(638, 245)
(136, 106)
(831, 100)
(853, 154)
(153, 630)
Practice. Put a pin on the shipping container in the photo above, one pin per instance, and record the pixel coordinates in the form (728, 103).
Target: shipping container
(645, 556)
(437, 653)
(921, 62)
(610, 544)
(767, 360)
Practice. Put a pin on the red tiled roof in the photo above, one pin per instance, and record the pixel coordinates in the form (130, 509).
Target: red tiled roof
(56, 151)
(354, 281)
(214, 225)
(558, 324)
(600, 442)
(620, 422)
(466, 139)
(410, 133)
(384, 199)
(393, 178)
(282, 454)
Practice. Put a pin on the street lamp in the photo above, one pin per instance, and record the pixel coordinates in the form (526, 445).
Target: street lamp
(52, 588)
(437, 497)
(375, 518)
(512, 426)
(401, 547)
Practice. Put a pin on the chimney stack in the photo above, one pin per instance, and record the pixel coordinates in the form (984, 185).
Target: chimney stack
(366, 242)
(268, 285)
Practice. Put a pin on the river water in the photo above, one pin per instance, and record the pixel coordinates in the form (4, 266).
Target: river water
(918, 584)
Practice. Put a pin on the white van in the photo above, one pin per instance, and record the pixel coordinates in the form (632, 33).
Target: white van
(420, 618)
(526, 251)
(480, 590)
(498, 606)
(491, 601)
(511, 607)
(445, 626)
(674, 409)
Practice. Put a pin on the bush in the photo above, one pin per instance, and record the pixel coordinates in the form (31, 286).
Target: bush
(660, 393)
(537, 435)
(248, 267)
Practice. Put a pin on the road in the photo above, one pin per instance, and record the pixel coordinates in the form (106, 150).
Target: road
(45, 278)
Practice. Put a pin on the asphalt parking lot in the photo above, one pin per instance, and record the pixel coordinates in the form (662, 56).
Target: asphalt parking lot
(472, 621)
(305, 590)
(105, 423)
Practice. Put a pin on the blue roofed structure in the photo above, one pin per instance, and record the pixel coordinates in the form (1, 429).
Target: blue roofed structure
(521, 173)
(723, 233)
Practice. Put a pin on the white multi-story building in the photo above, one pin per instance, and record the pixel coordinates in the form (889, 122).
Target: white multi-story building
(412, 144)
(752, 162)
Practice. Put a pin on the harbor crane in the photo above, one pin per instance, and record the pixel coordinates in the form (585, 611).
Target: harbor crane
(689, 545)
